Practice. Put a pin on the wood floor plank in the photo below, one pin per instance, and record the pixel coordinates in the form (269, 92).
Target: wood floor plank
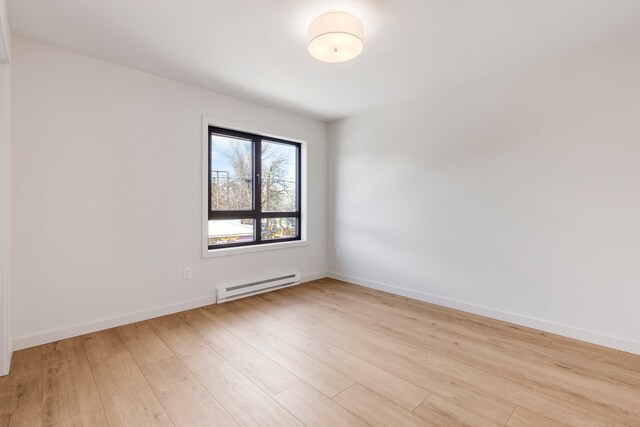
(376, 410)
(633, 359)
(515, 345)
(184, 342)
(475, 382)
(264, 372)
(572, 345)
(625, 371)
(425, 312)
(303, 321)
(70, 395)
(64, 344)
(593, 391)
(299, 398)
(460, 320)
(610, 371)
(402, 333)
(21, 390)
(276, 302)
(521, 353)
(284, 301)
(422, 369)
(126, 396)
(187, 402)
(102, 344)
(441, 412)
(541, 340)
(263, 301)
(421, 321)
(556, 383)
(245, 401)
(522, 417)
(413, 363)
(307, 303)
(400, 391)
(143, 344)
(317, 374)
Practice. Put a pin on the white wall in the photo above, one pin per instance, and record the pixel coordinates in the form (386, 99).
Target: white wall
(5, 192)
(107, 194)
(517, 197)
(5, 218)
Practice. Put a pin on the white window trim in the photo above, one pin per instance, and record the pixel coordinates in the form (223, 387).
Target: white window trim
(259, 130)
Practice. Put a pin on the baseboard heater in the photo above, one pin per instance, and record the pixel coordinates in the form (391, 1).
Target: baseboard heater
(231, 293)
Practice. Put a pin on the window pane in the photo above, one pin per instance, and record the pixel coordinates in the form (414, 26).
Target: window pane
(231, 173)
(279, 228)
(279, 176)
(230, 231)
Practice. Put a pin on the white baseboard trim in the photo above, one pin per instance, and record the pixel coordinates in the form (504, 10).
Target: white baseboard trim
(617, 343)
(4, 370)
(112, 322)
(5, 358)
(313, 276)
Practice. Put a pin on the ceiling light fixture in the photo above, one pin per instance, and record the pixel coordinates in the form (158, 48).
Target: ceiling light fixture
(335, 37)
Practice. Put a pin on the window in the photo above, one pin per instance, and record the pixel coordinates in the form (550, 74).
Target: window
(254, 189)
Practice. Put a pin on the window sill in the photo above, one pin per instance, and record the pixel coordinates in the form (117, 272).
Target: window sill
(250, 249)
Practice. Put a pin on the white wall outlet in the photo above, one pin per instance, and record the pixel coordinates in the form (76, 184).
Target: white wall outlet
(186, 273)
(338, 252)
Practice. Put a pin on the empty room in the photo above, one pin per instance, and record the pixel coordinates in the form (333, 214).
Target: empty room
(320, 213)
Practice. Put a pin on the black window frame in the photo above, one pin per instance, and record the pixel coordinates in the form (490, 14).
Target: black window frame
(256, 213)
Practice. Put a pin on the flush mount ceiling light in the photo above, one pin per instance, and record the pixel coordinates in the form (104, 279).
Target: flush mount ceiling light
(335, 37)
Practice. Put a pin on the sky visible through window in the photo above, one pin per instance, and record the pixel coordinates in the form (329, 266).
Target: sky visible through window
(222, 155)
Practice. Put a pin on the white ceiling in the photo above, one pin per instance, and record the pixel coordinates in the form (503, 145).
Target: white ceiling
(255, 49)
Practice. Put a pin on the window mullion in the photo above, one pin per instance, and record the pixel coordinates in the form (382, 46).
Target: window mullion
(257, 173)
(295, 214)
(299, 181)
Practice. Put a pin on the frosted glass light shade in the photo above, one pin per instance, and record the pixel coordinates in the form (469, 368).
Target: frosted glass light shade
(335, 37)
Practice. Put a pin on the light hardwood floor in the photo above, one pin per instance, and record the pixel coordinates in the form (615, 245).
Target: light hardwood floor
(325, 353)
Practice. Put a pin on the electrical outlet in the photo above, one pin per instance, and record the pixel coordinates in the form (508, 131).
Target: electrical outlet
(338, 252)
(186, 273)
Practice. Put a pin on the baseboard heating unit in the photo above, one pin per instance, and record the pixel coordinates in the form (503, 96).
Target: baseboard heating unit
(231, 293)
